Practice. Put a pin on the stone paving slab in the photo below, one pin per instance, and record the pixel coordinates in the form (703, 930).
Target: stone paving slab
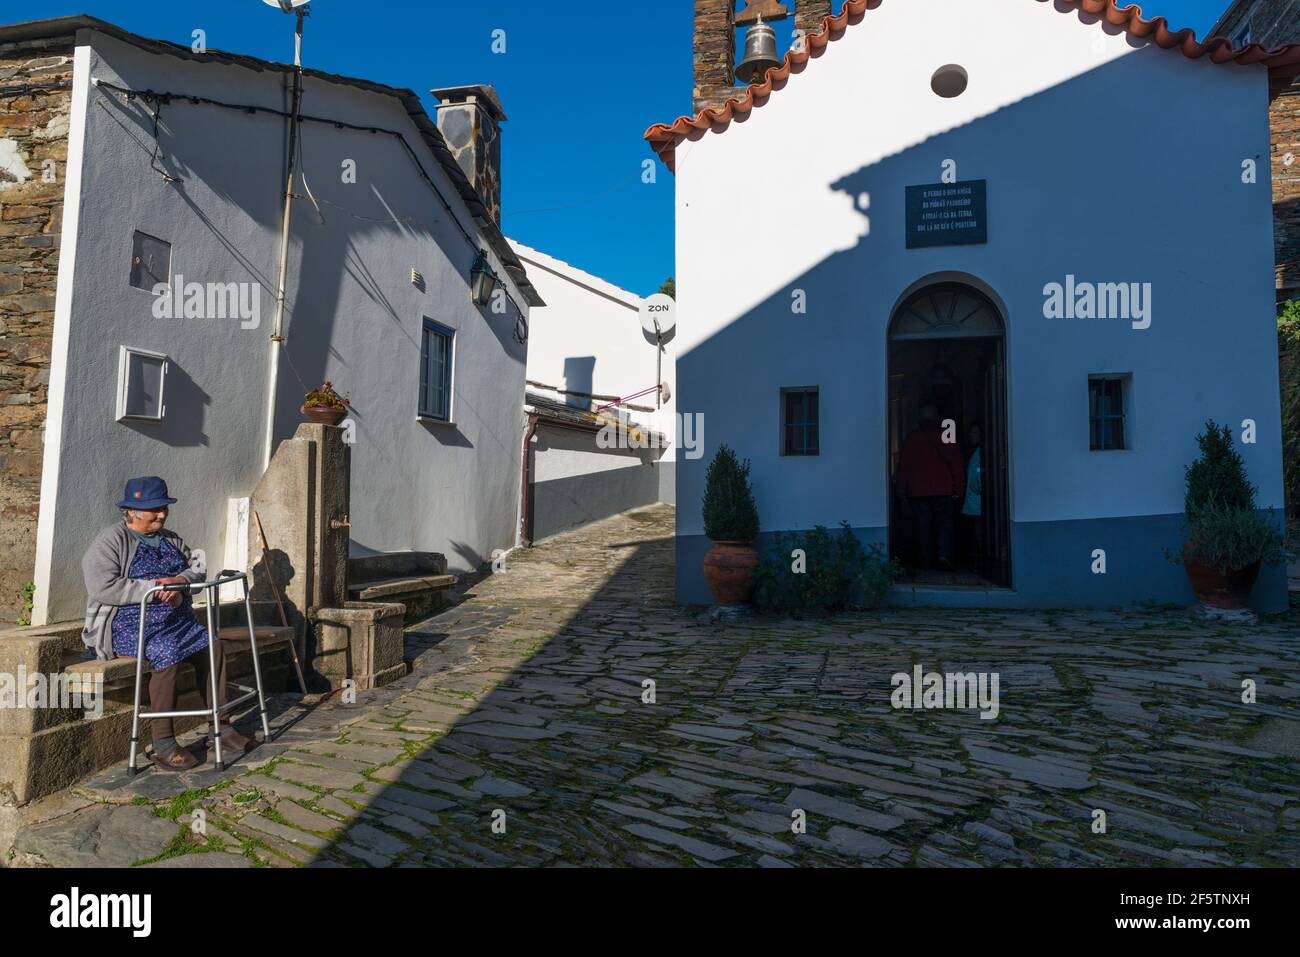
(566, 712)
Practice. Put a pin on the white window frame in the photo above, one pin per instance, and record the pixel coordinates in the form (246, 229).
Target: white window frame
(123, 383)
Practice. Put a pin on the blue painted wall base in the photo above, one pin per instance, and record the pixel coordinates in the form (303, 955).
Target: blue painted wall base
(1051, 567)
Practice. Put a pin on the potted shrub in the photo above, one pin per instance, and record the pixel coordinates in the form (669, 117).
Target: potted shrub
(731, 523)
(325, 406)
(1227, 540)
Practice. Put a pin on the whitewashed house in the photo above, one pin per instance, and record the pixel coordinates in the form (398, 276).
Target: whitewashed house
(175, 174)
(588, 349)
(1050, 218)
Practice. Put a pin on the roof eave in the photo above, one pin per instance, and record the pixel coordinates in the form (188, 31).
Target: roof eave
(428, 130)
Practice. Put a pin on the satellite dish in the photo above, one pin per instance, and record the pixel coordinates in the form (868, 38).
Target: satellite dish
(659, 316)
(288, 6)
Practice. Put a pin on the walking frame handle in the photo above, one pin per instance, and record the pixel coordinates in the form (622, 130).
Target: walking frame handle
(224, 578)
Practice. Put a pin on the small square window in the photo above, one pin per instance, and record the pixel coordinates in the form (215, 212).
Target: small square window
(436, 356)
(1107, 415)
(151, 261)
(799, 421)
(141, 378)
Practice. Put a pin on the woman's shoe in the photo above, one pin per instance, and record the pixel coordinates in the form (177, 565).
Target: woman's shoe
(177, 759)
(234, 742)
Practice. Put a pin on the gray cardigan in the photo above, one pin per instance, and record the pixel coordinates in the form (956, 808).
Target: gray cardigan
(108, 588)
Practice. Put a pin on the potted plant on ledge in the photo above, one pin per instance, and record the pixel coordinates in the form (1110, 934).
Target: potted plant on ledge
(731, 524)
(1227, 539)
(324, 406)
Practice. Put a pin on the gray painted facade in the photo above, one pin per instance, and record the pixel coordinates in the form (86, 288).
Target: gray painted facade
(353, 316)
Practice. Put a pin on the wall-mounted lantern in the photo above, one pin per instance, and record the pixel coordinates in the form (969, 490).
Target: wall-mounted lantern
(482, 280)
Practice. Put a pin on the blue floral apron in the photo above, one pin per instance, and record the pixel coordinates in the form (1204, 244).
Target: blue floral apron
(170, 634)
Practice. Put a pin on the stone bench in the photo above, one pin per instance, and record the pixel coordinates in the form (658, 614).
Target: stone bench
(418, 580)
(422, 595)
(43, 750)
(116, 670)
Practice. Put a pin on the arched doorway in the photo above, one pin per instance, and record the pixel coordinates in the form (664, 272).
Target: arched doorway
(947, 362)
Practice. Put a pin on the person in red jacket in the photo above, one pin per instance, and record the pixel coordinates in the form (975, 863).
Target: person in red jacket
(931, 477)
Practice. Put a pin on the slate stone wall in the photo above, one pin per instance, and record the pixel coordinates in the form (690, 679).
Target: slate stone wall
(35, 103)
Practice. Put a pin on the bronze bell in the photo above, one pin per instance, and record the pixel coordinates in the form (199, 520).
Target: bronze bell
(760, 53)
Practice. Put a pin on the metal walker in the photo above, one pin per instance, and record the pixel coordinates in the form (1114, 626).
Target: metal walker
(212, 713)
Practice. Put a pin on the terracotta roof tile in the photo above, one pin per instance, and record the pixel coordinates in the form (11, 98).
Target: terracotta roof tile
(1283, 64)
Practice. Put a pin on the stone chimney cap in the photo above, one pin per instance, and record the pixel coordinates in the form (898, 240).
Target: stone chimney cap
(483, 94)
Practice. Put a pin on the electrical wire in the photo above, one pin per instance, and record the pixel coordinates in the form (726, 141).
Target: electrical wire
(153, 97)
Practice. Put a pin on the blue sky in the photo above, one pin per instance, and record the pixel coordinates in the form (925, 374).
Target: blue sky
(580, 82)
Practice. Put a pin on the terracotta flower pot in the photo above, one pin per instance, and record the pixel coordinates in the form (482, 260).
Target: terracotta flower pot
(1220, 590)
(323, 415)
(729, 568)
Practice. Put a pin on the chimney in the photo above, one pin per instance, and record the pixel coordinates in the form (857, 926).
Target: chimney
(715, 40)
(469, 119)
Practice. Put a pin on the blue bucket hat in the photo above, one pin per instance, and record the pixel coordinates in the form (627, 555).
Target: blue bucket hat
(149, 491)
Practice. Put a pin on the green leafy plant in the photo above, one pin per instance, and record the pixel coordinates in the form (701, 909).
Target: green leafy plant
(325, 398)
(1227, 539)
(669, 288)
(29, 597)
(834, 572)
(1224, 530)
(730, 514)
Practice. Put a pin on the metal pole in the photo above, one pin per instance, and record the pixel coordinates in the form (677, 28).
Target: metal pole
(275, 590)
(257, 662)
(277, 334)
(139, 676)
(212, 680)
(659, 372)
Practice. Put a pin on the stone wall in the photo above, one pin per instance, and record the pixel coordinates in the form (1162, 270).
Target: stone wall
(809, 14)
(714, 53)
(35, 102)
(1284, 119)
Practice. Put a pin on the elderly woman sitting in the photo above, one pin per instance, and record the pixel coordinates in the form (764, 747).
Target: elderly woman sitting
(121, 565)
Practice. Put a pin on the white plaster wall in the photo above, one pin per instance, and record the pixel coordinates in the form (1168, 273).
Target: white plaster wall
(353, 317)
(576, 482)
(588, 338)
(1105, 157)
(566, 453)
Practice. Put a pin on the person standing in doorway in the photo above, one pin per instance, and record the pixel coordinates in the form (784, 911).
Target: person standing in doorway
(971, 513)
(930, 477)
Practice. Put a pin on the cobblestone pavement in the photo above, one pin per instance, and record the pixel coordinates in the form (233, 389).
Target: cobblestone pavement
(521, 737)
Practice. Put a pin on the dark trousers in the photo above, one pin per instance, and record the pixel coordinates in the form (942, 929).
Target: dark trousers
(162, 687)
(933, 515)
(974, 535)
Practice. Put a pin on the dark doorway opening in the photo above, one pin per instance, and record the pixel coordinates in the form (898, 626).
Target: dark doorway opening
(947, 375)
